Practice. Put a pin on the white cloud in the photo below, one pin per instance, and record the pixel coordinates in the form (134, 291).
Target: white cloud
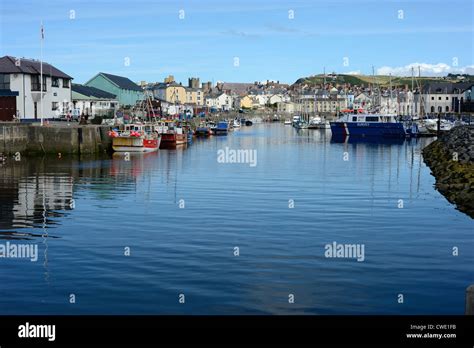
(427, 69)
(355, 72)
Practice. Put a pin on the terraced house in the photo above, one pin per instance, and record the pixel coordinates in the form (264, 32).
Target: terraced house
(20, 85)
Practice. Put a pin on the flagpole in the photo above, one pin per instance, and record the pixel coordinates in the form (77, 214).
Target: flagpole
(41, 71)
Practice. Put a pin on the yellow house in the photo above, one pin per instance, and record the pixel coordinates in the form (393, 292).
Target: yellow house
(246, 102)
(171, 92)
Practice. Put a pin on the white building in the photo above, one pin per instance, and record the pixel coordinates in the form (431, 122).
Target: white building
(278, 98)
(362, 101)
(220, 101)
(23, 76)
(92, 101)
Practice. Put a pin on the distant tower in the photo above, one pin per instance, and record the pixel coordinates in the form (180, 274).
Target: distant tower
(206, 86)
(193, 82)
(169, 79)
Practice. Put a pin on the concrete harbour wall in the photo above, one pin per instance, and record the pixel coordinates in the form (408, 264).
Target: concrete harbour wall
(53, 139)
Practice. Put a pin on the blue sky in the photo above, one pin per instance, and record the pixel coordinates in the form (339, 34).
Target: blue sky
(268, 44)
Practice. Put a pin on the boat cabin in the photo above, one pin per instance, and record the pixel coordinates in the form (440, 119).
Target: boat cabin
(368, 118)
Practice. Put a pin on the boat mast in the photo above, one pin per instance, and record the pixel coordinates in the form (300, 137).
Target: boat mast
(41, 71)
(412, 92)
(390, 101)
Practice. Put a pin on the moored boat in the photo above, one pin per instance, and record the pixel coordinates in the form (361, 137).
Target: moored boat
(135, 138)
(221, 128)
(172, 134)
(301, 124)
(318, 123)
(371, 125)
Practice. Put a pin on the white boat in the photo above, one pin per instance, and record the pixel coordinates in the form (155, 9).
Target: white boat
(432, 126)
(301, 125)
(287, 122)
(318, 123)
(236, 124)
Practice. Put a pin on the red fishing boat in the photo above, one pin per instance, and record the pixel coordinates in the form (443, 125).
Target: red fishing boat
(172, 134)
(135, 138)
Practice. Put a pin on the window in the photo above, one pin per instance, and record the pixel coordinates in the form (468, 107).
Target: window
(439, 98)
(54, 106)
(65, 83)
(447, 98)
(4, 81)
(35, 83)
(354, 118)
(447, 108)
(372, 119)
(55, 82)
(432, 98)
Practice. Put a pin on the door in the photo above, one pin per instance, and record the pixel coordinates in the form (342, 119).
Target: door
(36, 110)
(7, 108)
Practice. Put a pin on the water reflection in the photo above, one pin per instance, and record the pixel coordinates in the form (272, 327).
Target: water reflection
(82, 213)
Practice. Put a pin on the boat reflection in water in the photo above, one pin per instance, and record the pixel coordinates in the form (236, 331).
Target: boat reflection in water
(367, 140)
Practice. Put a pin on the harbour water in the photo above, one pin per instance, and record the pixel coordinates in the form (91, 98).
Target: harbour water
(128, 237)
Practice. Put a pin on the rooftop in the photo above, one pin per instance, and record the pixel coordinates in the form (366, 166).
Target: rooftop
(29, 66)
(122, 82)
(92, 92)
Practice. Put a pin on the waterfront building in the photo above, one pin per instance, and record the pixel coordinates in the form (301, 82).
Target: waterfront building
(172, 92)
(219, 101)
(127, 91)
(362, 101)
(20, 89)
(92, 101)
(406, 103)
(246, 102)
(278, 98)
(442, 97)
(286, 107)
(194, 96)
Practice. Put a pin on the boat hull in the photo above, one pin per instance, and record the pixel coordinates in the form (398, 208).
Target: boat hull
(362, 129)
(173, 139)
(203, 132)
(220, 131)
(129, 144)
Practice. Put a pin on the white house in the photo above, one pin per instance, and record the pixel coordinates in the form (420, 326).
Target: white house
(23, 76)
(92, 101)
(260, 99)
(278, 98)
(362, 101)
(220, 101)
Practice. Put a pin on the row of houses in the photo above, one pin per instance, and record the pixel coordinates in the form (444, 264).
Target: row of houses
(433, 98)
(21, 96)
(222, 97)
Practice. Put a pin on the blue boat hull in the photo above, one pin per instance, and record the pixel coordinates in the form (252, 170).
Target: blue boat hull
(363, 129)
(220, 131)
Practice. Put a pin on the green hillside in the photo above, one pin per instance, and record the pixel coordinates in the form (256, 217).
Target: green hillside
(365, 80)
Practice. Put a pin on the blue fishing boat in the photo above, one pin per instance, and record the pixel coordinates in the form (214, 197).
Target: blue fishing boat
(361, 125)
(221, 129)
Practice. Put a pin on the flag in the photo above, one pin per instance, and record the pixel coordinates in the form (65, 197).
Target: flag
(42, 32)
